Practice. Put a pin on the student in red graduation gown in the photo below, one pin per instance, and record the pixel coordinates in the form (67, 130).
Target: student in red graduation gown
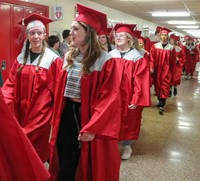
(162, 64)
(29, 89)
(104, 41)
(134, 88)
(141, 43)
(191, 54)
(194, 57)
(18, 159)
(87, 123)
(180, 61)
(186, 50)
(150, 41)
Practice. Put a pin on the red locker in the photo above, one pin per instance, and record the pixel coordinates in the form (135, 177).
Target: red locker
(5, 39)
(11, 37)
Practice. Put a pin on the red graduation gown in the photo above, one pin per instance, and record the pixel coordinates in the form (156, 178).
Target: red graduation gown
(18, 159)
(176, 80)
(30, 94)
(163, 62)
(100, 115)
(195, 54)
(190, 58)
(134, 89)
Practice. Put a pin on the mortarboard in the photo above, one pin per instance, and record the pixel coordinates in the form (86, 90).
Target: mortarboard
(141, 39)
(174, 37)
(136, 33)
(35, 21)
(95, 19)
(186, 37)
(158, 28)
(128, 28)
(165, 31)
(106, 31)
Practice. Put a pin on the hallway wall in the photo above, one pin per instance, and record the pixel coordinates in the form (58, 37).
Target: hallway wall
(68, 14)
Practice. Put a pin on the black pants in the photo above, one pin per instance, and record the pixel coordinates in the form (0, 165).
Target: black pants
(162, 102)
(67, 141)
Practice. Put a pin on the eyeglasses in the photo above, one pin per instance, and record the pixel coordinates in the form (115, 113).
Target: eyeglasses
(35, 32)
(120, 35)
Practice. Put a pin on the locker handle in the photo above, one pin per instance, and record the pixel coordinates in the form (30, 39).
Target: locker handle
(3, 64)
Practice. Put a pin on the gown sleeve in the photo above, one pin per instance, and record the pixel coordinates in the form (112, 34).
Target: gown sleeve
(105, 106)
(141, 83)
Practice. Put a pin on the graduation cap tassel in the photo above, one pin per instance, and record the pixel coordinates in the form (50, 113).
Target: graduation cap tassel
(20, 37)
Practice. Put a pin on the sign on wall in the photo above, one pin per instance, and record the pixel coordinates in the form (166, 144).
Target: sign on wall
(57, 12)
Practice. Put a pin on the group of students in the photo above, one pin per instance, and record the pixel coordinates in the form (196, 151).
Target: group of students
(75, 110)
(60, 48)
(171, 58)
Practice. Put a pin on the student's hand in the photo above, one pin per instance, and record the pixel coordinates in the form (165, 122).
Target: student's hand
(86, 137)
(132, 106)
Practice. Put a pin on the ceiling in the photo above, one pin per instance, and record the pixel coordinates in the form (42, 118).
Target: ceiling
(144, 8)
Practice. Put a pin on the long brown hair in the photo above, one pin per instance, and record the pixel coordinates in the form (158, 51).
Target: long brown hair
(108, 44)
(93, 49)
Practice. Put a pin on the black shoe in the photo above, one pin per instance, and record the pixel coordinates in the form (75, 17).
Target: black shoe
(158, 105)
(161, 111)
(175, 91)
(170, 93)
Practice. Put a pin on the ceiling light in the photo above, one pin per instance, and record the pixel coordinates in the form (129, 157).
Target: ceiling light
(192, 27)
(171, 14)
(195, 33)
(191, 30)
(182, 22)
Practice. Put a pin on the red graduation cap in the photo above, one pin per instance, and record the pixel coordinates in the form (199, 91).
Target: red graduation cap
(141, 39)
(174, 37)
(106, 31)
(35, 21)
(187, 37)
(165, 31)
(158, 28)
(95, 19)
(136, 33)
(128, 28)
(109, 30)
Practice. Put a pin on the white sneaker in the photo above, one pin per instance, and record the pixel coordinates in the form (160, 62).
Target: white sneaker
(126, 154)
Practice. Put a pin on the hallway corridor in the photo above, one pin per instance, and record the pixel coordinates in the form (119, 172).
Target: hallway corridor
(168, 148)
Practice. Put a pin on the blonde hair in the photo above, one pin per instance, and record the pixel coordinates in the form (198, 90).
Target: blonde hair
(136, 44)
(130, 42)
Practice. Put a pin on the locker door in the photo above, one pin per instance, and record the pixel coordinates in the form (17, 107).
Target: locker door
(5, 14)
(17, 36)
(11, 12)
(28, 11)
(40, 11)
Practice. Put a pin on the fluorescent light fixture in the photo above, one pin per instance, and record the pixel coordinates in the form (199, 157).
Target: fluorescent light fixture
(188, 31)
(195, 33)
(171, 14)
(182, 22)
(192, 27)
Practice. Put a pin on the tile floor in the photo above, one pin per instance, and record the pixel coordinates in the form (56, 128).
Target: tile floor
(168, 148)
